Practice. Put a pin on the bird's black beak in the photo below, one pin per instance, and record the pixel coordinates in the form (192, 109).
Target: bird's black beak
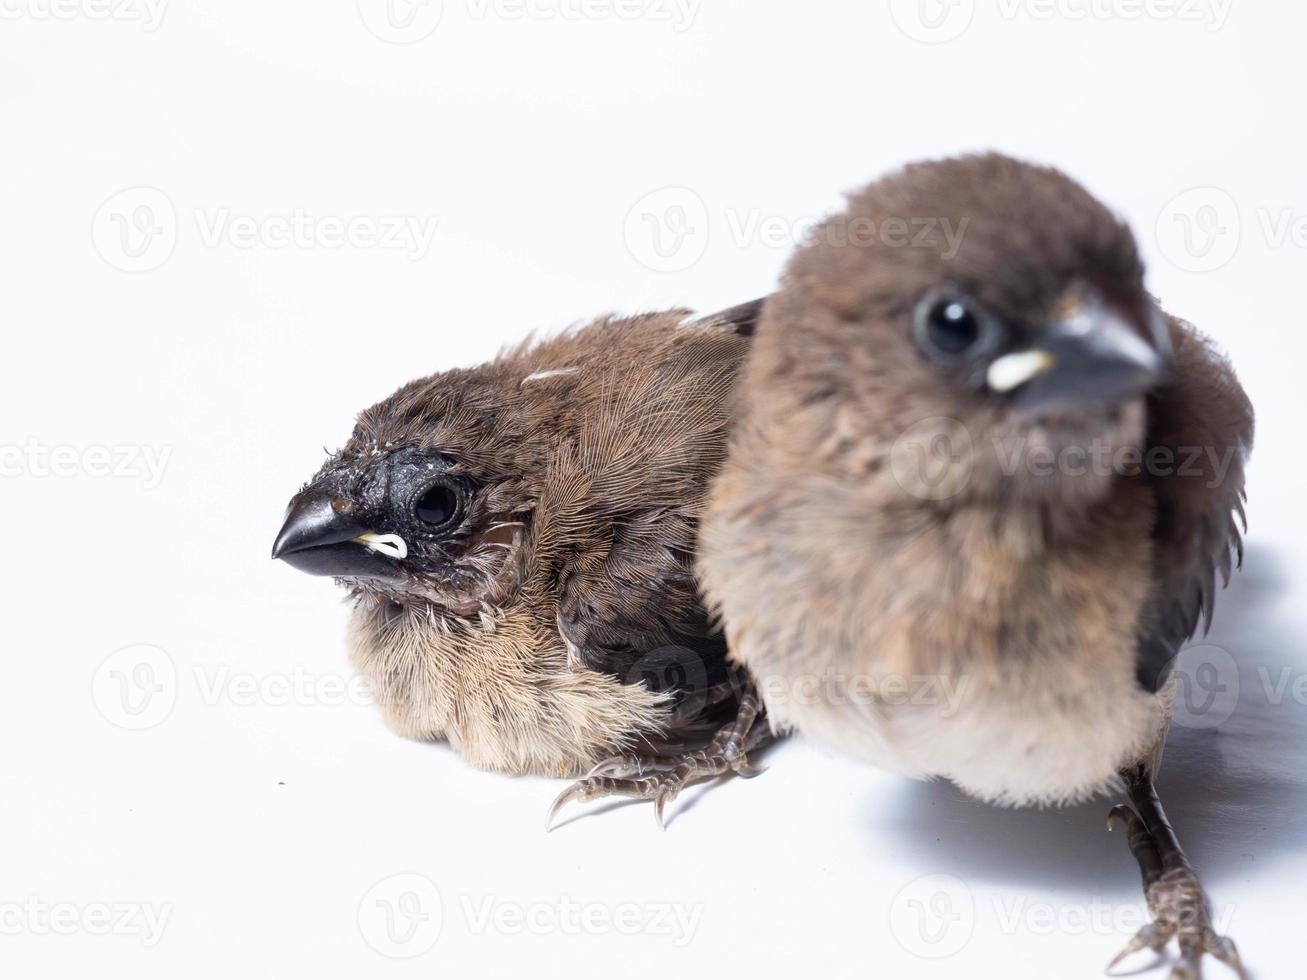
(322, 537)
(1092, 352)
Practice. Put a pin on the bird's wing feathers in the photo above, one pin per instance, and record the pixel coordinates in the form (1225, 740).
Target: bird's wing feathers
(637, 616)
(630, 488)
(743, 319)
(1204, 421)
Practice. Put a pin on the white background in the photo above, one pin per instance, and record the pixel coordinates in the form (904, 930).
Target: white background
(265, 811)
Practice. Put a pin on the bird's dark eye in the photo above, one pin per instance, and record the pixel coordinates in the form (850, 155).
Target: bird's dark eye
(437, 506)
(948, 325)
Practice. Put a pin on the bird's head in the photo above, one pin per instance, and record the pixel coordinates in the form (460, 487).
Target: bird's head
(430, 499)
(980, 322)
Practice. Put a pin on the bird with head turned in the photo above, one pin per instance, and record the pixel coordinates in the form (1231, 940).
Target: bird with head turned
(978, 492)
(517, 543)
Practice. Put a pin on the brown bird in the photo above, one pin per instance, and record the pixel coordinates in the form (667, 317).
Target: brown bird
(976, 499)
(518, 542)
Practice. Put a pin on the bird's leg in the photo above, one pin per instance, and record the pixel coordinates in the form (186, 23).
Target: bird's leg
(661, 777)
(1176, 899)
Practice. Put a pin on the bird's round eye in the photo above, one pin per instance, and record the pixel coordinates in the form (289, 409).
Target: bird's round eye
(950, 326)
(437, 506)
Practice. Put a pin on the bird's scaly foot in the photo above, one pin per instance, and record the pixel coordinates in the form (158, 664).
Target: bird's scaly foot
(661, 777)
(1178, 904)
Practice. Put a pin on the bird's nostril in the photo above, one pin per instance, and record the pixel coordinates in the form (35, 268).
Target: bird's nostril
(316, 519)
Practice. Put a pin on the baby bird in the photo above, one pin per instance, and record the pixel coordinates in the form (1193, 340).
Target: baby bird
(978, 494)
(518, 540)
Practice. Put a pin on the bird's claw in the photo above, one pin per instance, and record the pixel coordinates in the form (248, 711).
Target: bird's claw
(645, 779)
(1180, 909)
(661, 778)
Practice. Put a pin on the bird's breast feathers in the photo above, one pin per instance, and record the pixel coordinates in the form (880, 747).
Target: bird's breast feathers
(499, 688)
(1013, 678)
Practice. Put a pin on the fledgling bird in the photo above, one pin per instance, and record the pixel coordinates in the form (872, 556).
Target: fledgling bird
(518, 543)
(960, 458)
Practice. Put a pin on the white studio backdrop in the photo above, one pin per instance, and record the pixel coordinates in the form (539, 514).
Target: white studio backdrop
(227, 227)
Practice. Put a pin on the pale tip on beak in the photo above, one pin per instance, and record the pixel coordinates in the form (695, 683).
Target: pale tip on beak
(390, 545)
(1013, 370)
